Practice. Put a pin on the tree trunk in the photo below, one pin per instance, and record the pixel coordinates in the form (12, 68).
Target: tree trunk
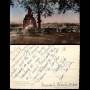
(39, 20)
(39, 15)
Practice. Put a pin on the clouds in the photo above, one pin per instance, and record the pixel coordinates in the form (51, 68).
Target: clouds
(17, 19)
(53, 19)
(62, 19)
(17, 15)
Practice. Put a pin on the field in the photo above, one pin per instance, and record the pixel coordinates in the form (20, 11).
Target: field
(48, 36)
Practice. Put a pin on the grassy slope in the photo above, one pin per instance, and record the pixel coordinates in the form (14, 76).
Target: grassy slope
(54, 38)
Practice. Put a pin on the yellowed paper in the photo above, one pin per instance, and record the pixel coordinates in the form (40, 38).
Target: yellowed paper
(44, 66)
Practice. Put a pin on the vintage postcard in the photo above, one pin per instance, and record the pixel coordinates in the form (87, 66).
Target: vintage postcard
(44, 66)
(44, 44)
(44, 22)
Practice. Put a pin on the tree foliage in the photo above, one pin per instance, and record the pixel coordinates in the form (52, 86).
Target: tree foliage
(48, 7)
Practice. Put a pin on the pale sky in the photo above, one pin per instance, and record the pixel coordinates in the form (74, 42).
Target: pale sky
(17, 15)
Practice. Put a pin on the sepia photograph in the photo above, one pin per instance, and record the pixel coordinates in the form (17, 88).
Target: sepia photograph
(38, 22)
(44, 44)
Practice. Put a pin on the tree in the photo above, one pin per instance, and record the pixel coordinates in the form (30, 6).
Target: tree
(48, 7)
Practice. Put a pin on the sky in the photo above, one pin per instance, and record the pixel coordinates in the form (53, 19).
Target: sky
(17, 14)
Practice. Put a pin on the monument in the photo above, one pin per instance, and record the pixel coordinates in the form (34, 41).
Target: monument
(29, 21)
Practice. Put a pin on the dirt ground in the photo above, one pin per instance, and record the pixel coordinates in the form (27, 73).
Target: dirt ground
(53, 38)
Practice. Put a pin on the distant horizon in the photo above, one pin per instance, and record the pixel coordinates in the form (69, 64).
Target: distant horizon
(47, 23)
